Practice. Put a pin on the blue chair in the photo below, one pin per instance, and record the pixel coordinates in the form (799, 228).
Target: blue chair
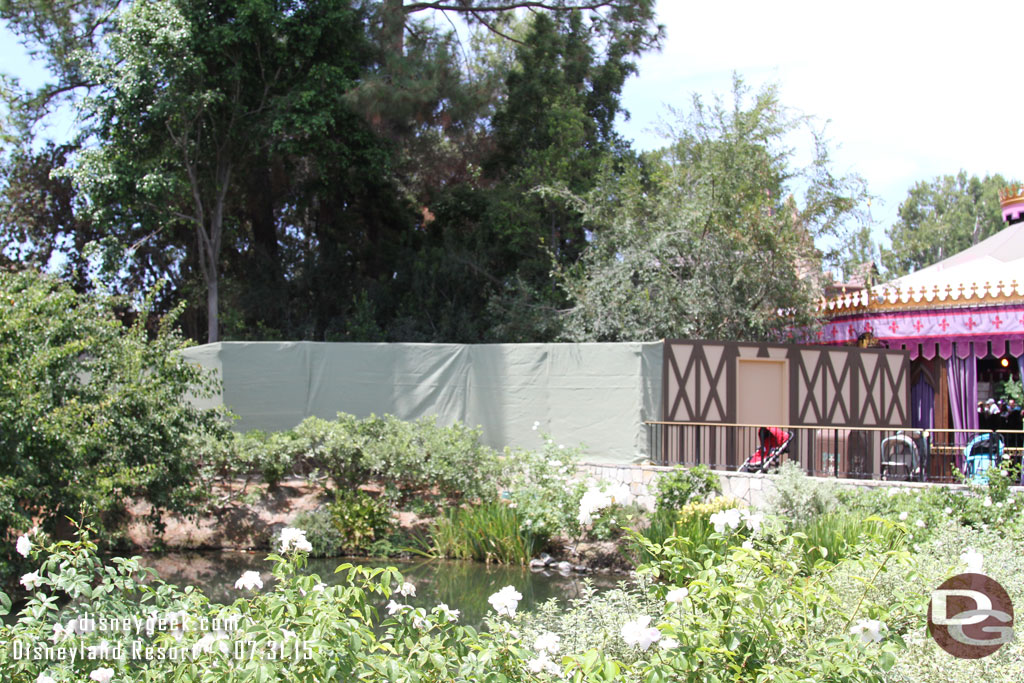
(984, 452)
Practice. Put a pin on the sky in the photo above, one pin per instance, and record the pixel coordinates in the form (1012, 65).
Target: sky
(906, 90)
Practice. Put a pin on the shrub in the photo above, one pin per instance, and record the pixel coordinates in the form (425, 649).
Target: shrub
(408, 459)
(799, 499)
(93, 412)
(225, 459)
(337, 448)
(321, 532)
(675, 489)
(360, 519)
(1001, 479)
(426, 459)
(276, 459)
(353, 523)
(661, 525)
(924, 510)
(752, 613)
(936, 560)
(613, 521)
(543, 487)
(594, 621)
(689, 528)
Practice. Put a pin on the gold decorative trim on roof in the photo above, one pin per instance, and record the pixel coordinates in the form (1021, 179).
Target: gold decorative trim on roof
(1011, 194)
(888, 297)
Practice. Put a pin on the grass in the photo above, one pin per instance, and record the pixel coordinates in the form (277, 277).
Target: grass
(490, 532)
(835, 536)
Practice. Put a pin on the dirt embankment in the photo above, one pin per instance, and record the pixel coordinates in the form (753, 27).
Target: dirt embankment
(234, 526)
(240, 525)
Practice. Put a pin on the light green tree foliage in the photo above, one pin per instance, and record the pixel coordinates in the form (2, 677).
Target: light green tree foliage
(858, 250)
(91, 412)
(56, 33)
(943, 217)
(714, 235)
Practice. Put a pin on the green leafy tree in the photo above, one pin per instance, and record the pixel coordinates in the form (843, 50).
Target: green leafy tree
(58, 34)
(859, 253)
(325, 170)
(91, 412)
(943, 217)
(197, 103)
(39, 223)
(707, 239)
(480, 270)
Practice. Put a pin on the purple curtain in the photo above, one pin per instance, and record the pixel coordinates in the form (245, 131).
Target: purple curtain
(922, 404)
(1020, 372)
(963, 399)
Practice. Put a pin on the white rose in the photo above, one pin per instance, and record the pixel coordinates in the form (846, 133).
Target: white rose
(31, 581)
(249, 580)
(547, 642)
(973, 559)
(294, 539)
(869, 630)
(640, 633)
(506, 601)
(102, 674)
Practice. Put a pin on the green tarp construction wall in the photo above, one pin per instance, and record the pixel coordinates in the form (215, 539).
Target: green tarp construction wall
(595, 394)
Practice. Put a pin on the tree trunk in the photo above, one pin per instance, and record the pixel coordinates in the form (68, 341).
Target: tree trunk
(212, 313)
(393, 24)
(260, 208)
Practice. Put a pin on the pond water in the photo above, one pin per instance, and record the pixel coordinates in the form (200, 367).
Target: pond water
(463, 586)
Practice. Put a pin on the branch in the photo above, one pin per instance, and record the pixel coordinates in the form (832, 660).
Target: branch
(42, 98)
(480, 271)
(177, 214)
(508, 6)
(494, 29)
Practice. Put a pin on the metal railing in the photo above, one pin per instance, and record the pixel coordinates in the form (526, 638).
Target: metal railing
(828, 451)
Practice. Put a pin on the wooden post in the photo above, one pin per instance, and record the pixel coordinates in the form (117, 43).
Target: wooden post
(942, 398)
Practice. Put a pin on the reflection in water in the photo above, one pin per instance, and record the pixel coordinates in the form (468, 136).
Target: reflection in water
(463, 586)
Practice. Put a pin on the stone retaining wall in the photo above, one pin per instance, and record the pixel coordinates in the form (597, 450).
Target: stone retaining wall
(753, 489)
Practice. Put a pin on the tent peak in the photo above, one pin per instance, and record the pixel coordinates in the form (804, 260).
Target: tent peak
(1011, 199)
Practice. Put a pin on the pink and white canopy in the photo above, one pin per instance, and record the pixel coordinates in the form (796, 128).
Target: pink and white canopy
(971, 303)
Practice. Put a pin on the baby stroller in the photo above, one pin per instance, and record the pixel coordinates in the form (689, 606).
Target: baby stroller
(774, 442)
(985, 451)
(903, 456)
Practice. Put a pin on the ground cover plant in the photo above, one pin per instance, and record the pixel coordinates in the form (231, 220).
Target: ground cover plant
(734, 595)
(706, 619)
(491, 532)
